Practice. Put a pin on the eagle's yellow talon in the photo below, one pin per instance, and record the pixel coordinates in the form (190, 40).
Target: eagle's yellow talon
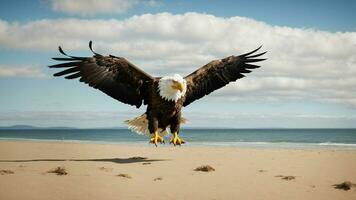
(176, 140)
(155, 139)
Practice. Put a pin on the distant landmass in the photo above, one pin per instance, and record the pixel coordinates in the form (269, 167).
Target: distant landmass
(26, 127)
(30, 127)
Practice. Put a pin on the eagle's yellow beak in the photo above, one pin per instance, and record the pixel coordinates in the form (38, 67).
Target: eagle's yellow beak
(178, 86)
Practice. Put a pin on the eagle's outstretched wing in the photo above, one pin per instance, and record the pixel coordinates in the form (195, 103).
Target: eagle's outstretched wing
(114, 76)
(219, 73)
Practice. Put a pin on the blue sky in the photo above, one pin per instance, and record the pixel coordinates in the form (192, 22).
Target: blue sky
(308, 80)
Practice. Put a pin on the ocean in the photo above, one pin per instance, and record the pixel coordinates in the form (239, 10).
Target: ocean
(260, 138)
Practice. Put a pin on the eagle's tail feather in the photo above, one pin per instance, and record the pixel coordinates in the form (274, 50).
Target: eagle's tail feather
(140, 125)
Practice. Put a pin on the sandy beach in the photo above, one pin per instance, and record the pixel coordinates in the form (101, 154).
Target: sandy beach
(167, 172)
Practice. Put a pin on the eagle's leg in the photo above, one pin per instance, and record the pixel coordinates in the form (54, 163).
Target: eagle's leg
(153, 128)
(176, 140)
(175, 126)
(156, 138)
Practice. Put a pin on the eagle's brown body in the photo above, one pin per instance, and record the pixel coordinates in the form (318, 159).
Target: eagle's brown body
(125, 82)
(162, 113)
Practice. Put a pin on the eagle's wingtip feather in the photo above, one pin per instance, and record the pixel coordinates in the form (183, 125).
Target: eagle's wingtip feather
(61, 51)
(91, 49)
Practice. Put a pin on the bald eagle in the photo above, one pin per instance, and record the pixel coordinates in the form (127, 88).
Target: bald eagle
(164, 96)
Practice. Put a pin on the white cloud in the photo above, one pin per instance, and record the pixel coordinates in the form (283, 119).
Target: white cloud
(302, 63)
(93, 7)
(21, 71)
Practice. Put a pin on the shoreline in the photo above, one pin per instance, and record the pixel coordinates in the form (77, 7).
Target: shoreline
(117, 171)
(248, 145)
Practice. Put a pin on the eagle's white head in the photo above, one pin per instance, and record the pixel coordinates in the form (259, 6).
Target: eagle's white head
(172, 88)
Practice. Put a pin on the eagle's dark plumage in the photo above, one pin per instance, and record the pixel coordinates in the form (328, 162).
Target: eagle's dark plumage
(125, 82)
(115, 76)
(219, 73)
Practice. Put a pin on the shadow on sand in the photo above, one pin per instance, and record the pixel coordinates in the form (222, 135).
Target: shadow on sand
(113, 160)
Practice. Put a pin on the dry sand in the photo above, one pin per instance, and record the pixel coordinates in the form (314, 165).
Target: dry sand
(167, 172)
